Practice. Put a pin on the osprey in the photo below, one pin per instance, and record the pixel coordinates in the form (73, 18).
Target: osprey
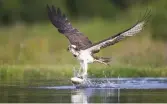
(80, 46)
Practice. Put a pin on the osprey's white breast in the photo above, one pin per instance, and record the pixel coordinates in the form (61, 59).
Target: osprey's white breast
(85, 56)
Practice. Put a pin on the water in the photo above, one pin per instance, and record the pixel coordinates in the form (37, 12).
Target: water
(104, 90)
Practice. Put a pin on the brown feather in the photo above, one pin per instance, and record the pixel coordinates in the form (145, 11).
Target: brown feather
(60, 21)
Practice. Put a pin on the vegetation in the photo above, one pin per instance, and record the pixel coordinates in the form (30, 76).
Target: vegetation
(31, 48)
(42, 54)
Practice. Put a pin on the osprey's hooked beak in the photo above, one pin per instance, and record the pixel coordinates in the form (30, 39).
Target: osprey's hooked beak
(68, 49)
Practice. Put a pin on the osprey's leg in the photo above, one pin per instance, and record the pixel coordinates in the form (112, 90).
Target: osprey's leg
(84, 66)
(77, 71)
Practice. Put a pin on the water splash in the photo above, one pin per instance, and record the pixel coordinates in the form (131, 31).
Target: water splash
(116, 83)
(125, 83)
(122, 83)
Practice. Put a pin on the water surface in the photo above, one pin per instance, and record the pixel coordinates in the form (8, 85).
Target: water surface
(104, 90)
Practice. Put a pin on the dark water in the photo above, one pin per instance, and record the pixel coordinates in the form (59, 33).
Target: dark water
(123, 90)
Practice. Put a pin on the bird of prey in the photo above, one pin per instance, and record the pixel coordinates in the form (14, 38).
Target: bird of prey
(80, 46)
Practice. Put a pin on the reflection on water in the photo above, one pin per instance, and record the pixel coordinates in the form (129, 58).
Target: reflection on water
(79, 96)
(127, 91)
(95, 95)
(118, 96)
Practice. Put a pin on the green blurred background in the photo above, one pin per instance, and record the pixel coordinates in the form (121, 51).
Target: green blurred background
(31, 47)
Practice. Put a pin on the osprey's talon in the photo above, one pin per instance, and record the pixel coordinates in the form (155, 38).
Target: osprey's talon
(80, 77)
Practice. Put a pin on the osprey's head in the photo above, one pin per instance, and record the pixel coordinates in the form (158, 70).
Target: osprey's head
(73, 49)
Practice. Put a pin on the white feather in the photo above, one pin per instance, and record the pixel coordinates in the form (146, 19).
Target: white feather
(131, 32)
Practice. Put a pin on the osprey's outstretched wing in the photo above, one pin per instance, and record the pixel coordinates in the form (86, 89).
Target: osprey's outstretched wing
(61, 22)
(94, 48)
